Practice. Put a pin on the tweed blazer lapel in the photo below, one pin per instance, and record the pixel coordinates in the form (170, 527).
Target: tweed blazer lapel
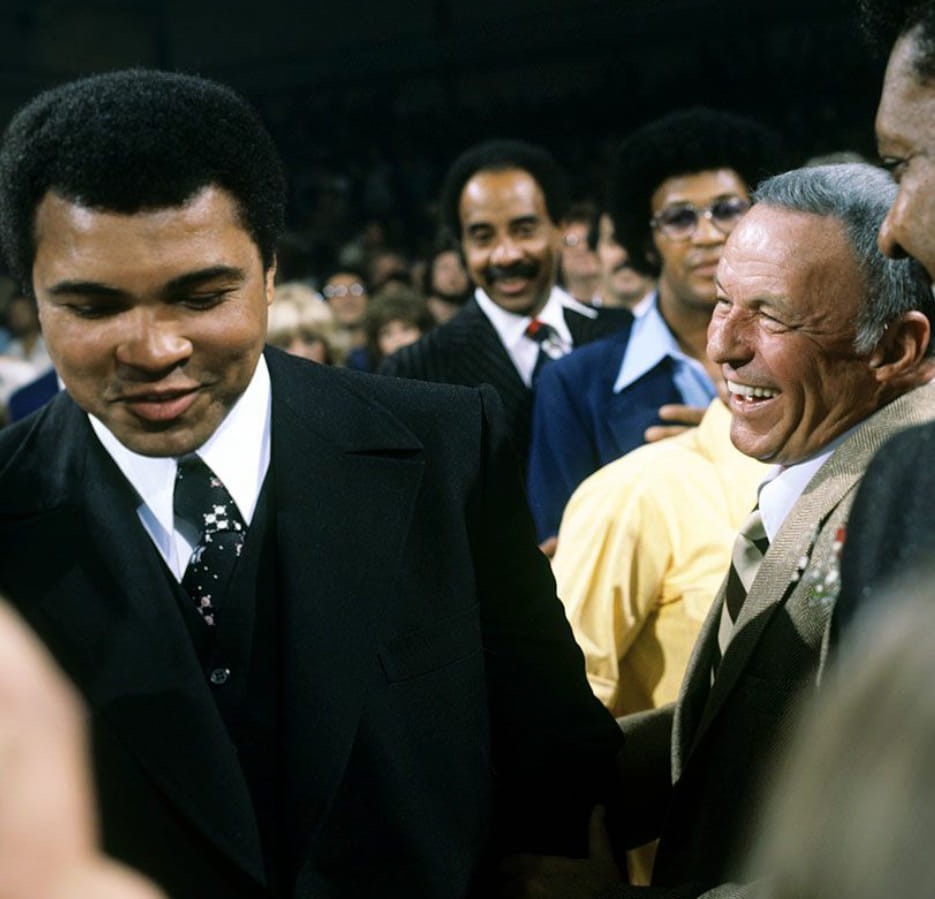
(84, 573)
(803, 551)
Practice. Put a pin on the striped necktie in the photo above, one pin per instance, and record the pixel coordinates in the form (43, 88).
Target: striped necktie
(749, 549)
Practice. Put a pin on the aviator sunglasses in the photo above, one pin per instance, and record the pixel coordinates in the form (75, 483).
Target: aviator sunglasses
(680, 220)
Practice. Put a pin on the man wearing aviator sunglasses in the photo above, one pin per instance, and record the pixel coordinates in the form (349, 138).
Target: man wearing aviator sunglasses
(680, 186)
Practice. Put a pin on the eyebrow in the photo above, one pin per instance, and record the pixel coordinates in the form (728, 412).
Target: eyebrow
(178, 285)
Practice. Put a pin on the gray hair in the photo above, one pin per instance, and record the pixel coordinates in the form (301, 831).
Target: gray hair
(859, 196)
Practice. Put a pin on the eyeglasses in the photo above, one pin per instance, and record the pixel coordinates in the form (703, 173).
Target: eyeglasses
(680, 220)
(342, 290)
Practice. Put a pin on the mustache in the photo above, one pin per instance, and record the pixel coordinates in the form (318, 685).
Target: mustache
(516, 270)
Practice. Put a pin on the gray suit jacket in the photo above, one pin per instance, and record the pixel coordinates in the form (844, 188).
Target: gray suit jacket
(697, 771)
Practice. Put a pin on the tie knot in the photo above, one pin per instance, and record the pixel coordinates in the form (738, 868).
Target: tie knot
(201, 499)
(549, 340)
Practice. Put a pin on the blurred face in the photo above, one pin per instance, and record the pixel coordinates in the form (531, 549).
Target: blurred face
(689, 263)
(347, 297)
(621, 284)
(906, 142)
(310, 347)
(448, 275)
(155, 320)
(579, 263)
(395, 334)
(783, 333)
(509, 242)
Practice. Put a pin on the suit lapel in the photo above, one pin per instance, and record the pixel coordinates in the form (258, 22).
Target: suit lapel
(781, 577)
(347, 473)
(109, 613)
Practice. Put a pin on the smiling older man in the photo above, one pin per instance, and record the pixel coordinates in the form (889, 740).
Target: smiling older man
(824, 344)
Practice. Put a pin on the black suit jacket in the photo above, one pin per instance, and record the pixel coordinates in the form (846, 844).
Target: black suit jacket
(436, 711)
(467, 350)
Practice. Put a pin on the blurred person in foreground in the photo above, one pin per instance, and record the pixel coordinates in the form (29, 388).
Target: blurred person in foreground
(48, 822)
(851, 811)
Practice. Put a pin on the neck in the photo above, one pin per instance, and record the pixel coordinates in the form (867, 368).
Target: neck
(687, 322)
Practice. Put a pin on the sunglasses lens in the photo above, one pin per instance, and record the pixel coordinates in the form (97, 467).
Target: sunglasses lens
(678, 221)
(726, 213)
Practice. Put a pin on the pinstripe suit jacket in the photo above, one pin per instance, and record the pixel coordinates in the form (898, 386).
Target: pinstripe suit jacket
(467, 350)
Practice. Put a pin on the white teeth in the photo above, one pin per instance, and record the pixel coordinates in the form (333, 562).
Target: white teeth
(745, 390)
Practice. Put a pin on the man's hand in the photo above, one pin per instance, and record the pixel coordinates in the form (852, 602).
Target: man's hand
(549, 877)
(48, 831)
(548, 547)
(682, 418)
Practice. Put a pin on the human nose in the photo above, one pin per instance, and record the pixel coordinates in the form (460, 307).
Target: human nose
(729, 342)
(706, 232)
(505, 251)
(152, 342)
(888, 238)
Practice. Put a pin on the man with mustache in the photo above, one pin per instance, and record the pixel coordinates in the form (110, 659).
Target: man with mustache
(680, 186)
(505, 202)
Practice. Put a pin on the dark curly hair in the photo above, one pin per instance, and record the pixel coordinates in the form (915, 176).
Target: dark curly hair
(135, 140)
(498, 156)
(884, 21)
(681, 143)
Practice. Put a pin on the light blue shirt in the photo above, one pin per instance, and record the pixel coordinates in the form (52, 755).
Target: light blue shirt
(650, 343)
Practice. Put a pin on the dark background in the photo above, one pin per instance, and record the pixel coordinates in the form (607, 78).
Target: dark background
(369, 101)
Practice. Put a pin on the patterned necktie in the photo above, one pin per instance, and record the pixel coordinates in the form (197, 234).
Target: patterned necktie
(750, 546)
(550, 343)
(203, 501)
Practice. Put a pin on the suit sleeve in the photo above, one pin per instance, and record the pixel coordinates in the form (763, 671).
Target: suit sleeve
(562, 453)
(553, 744)
(889, 527)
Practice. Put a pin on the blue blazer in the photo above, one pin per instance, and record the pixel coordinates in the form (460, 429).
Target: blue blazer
(579, 424)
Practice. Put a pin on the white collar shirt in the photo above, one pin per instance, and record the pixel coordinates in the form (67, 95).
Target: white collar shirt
(511, 328)
(238, 452)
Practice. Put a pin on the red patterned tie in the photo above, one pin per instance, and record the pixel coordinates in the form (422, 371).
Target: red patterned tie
(550, 344)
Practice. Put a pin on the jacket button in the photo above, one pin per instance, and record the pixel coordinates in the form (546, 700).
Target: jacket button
(219, 676)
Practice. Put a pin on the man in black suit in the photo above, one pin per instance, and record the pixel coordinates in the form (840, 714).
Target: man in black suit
(321, 652)
(892, 526)
(505, 202)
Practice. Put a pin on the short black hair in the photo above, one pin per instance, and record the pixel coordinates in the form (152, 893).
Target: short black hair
(499, 156)
(682, 143)
(135, 140)
(884, 21)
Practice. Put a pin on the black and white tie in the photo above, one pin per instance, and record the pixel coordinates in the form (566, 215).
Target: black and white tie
(202, 500)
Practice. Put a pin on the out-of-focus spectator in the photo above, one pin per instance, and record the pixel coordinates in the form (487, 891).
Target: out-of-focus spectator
(620, 283)
(397, 316)
(302, 324)
(446, 284)
(579, 271)
(345, 291)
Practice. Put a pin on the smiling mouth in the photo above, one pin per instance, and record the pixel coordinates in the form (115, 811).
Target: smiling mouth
(748, 392)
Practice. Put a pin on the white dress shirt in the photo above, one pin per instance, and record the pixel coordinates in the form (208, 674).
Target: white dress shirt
(238, 452)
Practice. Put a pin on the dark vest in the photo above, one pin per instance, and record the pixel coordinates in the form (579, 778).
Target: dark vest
(241, 659)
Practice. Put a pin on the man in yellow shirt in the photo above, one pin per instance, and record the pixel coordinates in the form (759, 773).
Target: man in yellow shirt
(643, 547)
